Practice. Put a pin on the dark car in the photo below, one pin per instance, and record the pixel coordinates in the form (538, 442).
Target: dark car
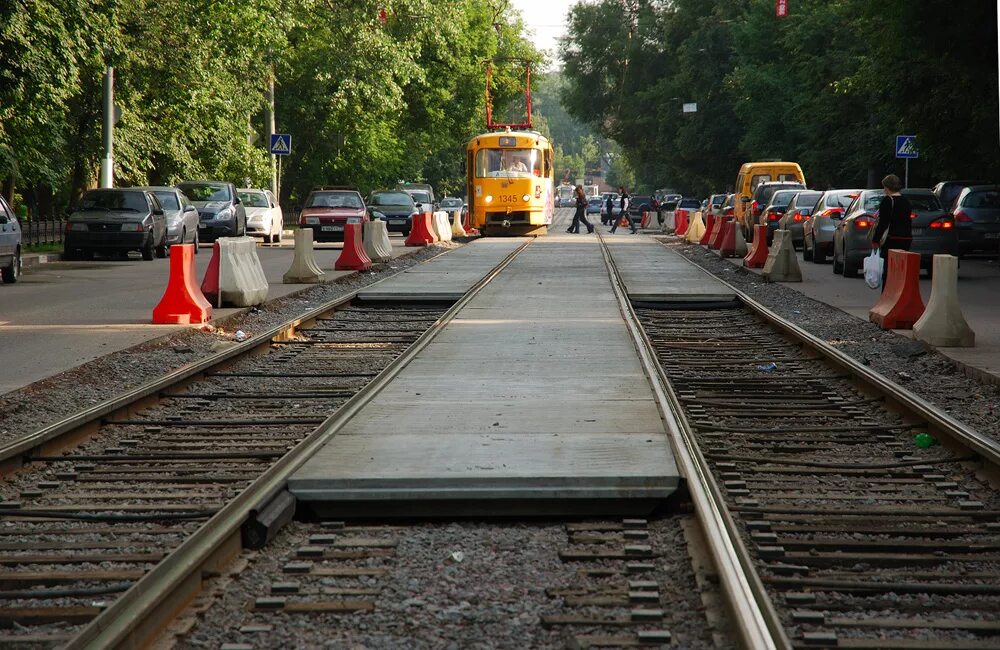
(948, 191)
(761, 196)
(639, 204)
(116, 221)
(10, 244)
(933, 229)
(328, 211)
(977, 215)
(775, 210)
(220, 211)
(396, 207)
(797, 211)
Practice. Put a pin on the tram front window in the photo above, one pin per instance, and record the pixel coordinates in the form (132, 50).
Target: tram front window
(508, 163)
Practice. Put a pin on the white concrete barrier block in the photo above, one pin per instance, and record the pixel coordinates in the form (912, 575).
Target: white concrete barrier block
(376, 240)
(782, 265)
(304, 269)
(241, 277)
(456, 224)
(696, 229)
(942, 323)
(667, 226)
(442, 228)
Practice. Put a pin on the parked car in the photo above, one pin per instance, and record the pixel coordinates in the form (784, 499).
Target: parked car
(977, 214)
(328, 211)
(116, 221)
(264, 217)
(10, 244)
(934, 229)
(818, 229)
(451, 205)
(689, 206)
(181, 216)
(714, 204)
(796, 213)
(752, 175)
(594, 205)
(220, 211)
(760, 198)
(852, 237)
(640, 203)
(422, 195)
(774, 210)
(948, 191)
(728, 207)
(396, 207)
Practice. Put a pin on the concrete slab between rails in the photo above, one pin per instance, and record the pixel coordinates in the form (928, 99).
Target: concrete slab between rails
(444, 278)
(654, 274)
(528, 411)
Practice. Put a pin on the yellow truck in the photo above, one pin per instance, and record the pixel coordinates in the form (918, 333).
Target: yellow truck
(753, 174)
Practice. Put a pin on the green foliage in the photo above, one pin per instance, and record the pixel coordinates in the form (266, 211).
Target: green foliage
(828, 86)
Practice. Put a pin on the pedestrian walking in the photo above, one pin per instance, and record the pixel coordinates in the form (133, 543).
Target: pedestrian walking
(623, 212)
(609, 210)
(893, 229)
(581, 213)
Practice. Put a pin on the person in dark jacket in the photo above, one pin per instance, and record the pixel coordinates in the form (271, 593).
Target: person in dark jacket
(624, 212)
(893, 229)
(581, 213)
(609, 211)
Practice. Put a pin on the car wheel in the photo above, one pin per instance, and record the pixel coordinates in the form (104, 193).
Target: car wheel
(12, 272)
(818, 254)
(807, 253)
(70, 254)
(838, 268)
(406, 233)
(850, 266)
(161, 250)
(196, 242)
(147, 249)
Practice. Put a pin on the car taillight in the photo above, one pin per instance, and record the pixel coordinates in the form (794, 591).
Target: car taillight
(755, 208)
(913, 215)
(961, 217)
(797, 217)
(863, 223)
(773, 216)
(943, 223)
(832, 212)
(728, 212)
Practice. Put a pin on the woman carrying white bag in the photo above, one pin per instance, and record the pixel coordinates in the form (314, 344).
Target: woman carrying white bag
(893, 228)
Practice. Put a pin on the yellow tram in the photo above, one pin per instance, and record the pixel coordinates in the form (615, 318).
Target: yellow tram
(510, 183)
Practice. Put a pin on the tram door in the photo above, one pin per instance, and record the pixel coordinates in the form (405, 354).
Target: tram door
(470, 189)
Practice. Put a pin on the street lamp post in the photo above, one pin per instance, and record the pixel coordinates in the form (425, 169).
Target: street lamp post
(108, 162)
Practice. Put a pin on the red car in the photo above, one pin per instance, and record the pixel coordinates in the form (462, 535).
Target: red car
(328, 210)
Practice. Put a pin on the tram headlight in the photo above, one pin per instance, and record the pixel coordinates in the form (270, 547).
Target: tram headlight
(489, 198)
(526, 198)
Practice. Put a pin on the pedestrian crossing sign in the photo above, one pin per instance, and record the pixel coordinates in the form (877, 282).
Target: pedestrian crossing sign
(281, 144)
(906, 146)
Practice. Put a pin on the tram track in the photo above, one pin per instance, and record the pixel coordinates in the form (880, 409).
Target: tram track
(846, 533)
(113, 517)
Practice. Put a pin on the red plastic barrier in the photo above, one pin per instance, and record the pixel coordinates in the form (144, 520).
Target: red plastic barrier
(469, 228)
(421, 230)
(353, 257)
(680, 222)
(757, 256)
(900, 305)
(182, 302)
(210, 283)
(715, 238)
(727, 239)
(708, 230)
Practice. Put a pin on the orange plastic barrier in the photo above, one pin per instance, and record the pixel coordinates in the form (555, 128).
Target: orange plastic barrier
(708, 230)
(900, 305)
(757, 256)
(421, 231)
(210, 283)
(680, 222)
(467, 224)
(182, 302)
(353, 257)
(715, 237)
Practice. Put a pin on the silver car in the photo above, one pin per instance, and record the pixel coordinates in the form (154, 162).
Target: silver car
(852, 240)
(181, 215)
(10, 244)
(797, 213)
(818, 228)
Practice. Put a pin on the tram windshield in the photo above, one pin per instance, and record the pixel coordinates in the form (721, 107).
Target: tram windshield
(508, 163)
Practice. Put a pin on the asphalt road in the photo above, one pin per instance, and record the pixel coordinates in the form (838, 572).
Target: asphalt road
(63, 314)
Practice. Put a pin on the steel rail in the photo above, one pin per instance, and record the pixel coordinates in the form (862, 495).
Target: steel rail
(143, 611)
(12, 452)
(757, 622)
(906, 401)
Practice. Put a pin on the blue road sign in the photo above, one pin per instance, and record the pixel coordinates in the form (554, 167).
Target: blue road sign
(906, 146)
(281, 144)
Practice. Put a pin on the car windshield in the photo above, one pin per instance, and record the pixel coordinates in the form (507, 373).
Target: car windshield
(596, 201)
(984, 199)
(168, 200)
(924, 202)
(391, 198)
(718, 200)
(451, 203)
(508, 163)
(841, 199)
(206, 191)
(334, 200)
(781, 199)
(807, 199)
(419, 196)
(113, 200)
(690, 203)
(253, 199)
(872, 201)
